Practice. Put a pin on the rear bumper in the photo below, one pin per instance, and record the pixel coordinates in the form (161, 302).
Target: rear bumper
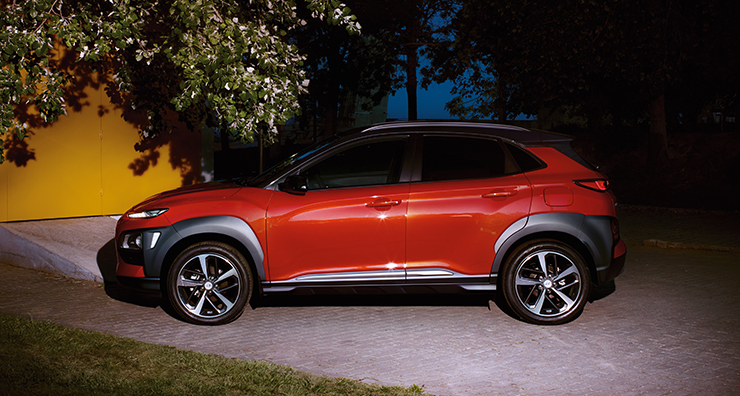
(616, 266)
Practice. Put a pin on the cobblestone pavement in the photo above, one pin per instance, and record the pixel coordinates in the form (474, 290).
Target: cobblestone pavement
(703, 229)
(671, 327)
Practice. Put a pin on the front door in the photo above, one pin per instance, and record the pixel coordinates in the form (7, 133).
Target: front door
(351, 223)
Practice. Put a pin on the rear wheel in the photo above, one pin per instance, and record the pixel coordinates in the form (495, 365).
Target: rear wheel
(546, 282)
(209, 283)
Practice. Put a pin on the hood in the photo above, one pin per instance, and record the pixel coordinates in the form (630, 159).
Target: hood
(205, 191)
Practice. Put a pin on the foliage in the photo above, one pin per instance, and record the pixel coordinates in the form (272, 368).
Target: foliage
(341, 67)
(41, 358)
(607, 59)
(369, 66)
(409, 29)
(227, 64)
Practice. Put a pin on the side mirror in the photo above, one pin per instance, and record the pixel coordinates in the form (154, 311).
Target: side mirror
(296, 185)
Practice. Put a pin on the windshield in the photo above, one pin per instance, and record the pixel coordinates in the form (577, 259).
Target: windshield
(269, 175)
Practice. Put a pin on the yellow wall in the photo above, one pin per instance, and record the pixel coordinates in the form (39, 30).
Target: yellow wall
(3, 193)
(83, 164)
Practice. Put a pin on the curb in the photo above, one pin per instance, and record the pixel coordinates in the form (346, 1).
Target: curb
(18, 251)
(684, 211)
(680, 245)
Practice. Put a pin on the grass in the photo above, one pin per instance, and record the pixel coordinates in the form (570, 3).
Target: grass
(42, 358)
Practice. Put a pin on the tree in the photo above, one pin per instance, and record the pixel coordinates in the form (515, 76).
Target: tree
(411, 28)
(226, 64)
(340, 67)
(610, 60)
(486, 58)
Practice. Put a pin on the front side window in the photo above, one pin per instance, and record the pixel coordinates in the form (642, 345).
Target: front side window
(462, 158)
(365, 164)
(267, 176)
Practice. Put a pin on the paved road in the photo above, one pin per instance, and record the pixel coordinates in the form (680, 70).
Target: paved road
(671, 327)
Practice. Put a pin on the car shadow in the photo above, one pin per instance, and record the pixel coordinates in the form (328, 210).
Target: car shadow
(328, 299)
(601, 291)
(367, 300)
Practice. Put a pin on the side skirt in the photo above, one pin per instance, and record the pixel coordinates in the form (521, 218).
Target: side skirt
(417, 281)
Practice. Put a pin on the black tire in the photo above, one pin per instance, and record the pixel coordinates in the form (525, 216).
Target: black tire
(209, 283)
(546, 282)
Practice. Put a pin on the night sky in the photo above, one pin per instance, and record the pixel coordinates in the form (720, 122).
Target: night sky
(431, 103)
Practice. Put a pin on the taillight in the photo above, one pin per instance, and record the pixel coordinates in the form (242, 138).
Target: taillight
(599, 185)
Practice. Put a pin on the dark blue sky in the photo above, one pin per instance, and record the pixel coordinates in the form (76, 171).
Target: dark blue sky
(431, 103)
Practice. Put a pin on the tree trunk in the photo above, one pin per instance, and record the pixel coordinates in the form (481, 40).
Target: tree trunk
(411, 64)
(330, 119)
(224, 140)
(658, 137)
(330, 105)
(500, 101)
(261, 148)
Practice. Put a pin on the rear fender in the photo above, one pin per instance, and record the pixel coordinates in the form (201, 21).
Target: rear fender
(594, 232)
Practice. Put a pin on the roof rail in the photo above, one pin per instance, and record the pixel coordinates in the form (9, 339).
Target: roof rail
(452, 123)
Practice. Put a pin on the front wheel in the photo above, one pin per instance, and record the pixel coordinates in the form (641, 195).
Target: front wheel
(209, 283)
(546, 282)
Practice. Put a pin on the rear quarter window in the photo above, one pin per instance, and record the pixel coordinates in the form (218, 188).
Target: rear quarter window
(526, 161)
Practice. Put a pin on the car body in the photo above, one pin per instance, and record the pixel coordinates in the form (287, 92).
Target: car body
(395, 207)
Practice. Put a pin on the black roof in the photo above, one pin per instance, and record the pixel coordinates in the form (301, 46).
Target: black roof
(528, 137)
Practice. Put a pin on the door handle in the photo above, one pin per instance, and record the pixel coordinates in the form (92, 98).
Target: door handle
(382, 202)
(500, 194)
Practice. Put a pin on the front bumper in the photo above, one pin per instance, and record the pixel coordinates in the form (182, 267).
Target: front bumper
(145, 284)
(140, 269)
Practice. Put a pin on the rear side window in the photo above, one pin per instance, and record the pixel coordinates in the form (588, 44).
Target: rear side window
(525, 160)
(460, 158)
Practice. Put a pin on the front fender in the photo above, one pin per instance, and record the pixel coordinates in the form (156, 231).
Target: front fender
(228, 226)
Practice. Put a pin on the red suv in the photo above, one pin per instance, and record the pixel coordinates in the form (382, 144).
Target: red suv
(397, 207)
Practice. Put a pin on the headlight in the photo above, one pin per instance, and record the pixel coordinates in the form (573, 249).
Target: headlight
(147, 214)
(131, 241)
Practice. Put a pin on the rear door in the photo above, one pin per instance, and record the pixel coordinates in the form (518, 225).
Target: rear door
(466, 192)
